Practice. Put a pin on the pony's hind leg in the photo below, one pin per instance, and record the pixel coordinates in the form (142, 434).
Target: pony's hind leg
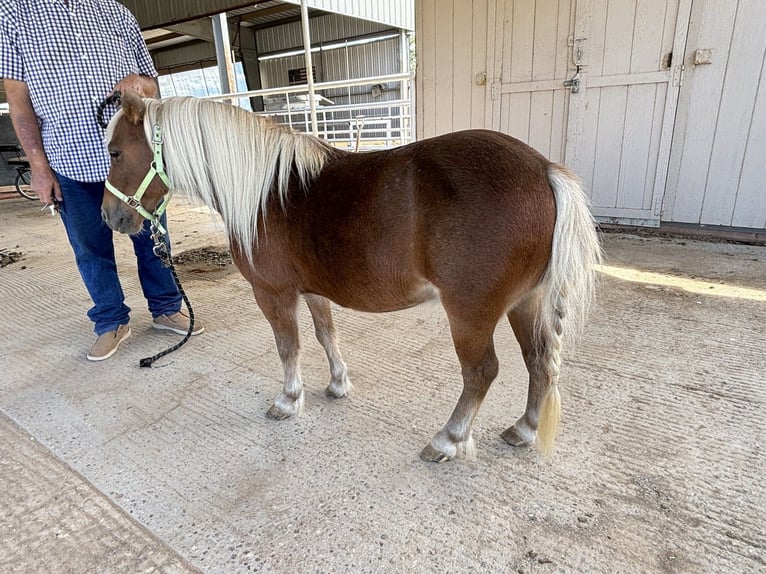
(476, 352)
(321, 313)
(281, 312)
(540, 346)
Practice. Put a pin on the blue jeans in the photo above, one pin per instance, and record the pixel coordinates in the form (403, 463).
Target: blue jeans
(91, 241)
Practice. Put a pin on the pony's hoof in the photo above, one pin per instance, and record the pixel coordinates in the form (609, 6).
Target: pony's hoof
(337, 391)
(430, 454)
(285, 407)
(277, 414)
(514, 437)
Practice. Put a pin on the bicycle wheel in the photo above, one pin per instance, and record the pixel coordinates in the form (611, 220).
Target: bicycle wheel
(23, 179)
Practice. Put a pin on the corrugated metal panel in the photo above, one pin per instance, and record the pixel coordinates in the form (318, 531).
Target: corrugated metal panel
(153, 14)
(327, 28)
(397, 13)
(362, 61)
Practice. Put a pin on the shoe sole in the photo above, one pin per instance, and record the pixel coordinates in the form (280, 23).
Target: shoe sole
(110, 353)
(161, 327)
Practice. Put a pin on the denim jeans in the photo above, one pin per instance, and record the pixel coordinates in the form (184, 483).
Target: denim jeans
(91, 241)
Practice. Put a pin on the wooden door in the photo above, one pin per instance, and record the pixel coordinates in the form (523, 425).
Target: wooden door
(529, 99)
(718, 160)
(613, 123)
(628, 58)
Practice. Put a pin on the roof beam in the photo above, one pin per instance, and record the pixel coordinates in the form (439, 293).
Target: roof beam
(152, 14)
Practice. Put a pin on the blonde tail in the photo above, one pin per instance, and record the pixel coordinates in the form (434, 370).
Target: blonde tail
(569, 286)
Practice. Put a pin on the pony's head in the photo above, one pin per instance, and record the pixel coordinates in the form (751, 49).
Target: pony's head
(136, 187)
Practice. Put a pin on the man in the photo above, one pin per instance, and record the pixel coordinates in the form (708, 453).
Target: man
(59, 59)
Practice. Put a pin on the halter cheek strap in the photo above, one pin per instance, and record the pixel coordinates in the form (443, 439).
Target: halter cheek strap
(157, 168)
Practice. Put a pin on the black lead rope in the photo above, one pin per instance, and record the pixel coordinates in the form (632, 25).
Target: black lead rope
(115, 98)
(161, 248)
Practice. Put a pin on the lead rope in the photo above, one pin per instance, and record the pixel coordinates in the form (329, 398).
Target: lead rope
(161, 250)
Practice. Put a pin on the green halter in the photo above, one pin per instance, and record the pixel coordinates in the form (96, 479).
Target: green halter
(156, 168)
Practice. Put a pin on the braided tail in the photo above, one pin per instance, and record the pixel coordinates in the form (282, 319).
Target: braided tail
(569, 285)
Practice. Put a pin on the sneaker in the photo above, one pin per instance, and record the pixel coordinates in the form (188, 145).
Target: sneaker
(107, 343)
(178, 323)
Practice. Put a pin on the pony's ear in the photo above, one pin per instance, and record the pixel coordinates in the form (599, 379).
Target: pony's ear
(133, 107)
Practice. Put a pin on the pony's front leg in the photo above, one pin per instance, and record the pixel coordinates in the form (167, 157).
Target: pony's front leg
(321, 313)
(281, 312)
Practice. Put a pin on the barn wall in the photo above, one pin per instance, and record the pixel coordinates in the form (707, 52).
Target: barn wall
(451, 77)
(716, 171)
(718, 165)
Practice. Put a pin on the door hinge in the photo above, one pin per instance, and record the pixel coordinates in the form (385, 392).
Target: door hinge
(658, 206)
(678, 75)
(578, 50)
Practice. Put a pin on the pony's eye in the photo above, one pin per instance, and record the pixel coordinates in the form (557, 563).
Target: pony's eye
(115, 154)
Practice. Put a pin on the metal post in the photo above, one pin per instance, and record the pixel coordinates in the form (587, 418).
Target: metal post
(309, 66)
(223, 53)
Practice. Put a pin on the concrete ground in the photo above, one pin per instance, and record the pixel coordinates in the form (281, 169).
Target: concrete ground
(109, 467)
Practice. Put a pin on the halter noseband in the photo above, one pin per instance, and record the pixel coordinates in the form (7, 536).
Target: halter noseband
(157, 168)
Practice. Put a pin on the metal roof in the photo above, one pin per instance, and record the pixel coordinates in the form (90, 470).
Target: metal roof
(176, 22)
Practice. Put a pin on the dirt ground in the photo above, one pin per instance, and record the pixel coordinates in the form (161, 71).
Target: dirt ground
(658, 467)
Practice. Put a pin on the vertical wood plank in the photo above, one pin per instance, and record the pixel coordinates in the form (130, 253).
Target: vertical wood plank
(655, 161)
(444, 65)
(590, 109)
(545, 40)
(518, 120)
(618, 40)
(611, 125)
(522, 41)
(701, 95)
(750, 209)
(736, 112)
(636, 144)
(496, 10)
(596, 36)
(648, 31)
(426, 67)
(541, 121)
(481, 37)
(462, 81)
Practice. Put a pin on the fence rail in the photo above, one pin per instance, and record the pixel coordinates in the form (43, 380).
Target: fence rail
(362, 126)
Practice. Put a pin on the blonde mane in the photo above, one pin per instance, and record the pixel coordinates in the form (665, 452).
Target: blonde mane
(231, 159)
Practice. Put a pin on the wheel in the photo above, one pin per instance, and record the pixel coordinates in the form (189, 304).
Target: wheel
(23, 179)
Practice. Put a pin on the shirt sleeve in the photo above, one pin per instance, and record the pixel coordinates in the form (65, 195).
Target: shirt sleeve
(137, 44)
(11, 60)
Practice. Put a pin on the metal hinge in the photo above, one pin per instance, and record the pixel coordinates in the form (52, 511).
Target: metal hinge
(578, 51)
(658, 206)
(678, 75)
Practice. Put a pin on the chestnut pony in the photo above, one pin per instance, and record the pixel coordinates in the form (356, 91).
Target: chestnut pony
(475, 219)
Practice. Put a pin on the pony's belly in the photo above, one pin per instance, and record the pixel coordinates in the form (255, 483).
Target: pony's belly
(385, 300)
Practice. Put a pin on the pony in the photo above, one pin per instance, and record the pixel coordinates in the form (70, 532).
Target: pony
(475, 219)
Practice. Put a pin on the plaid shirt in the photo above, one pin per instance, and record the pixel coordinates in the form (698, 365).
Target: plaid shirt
(71, 55)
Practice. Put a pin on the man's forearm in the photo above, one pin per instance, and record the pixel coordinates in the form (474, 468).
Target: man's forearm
(25, 122)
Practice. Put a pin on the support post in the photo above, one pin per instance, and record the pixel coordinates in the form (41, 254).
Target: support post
(223, 53)
(309, 66)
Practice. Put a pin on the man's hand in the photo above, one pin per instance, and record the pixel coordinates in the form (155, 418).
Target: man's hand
(45, 185)
(145, 86)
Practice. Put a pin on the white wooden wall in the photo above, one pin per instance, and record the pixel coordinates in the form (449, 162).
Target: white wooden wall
(718, 164)
(451, 44)
(647, 147)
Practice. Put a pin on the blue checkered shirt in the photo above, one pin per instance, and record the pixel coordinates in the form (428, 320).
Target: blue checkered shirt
(71, 55)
